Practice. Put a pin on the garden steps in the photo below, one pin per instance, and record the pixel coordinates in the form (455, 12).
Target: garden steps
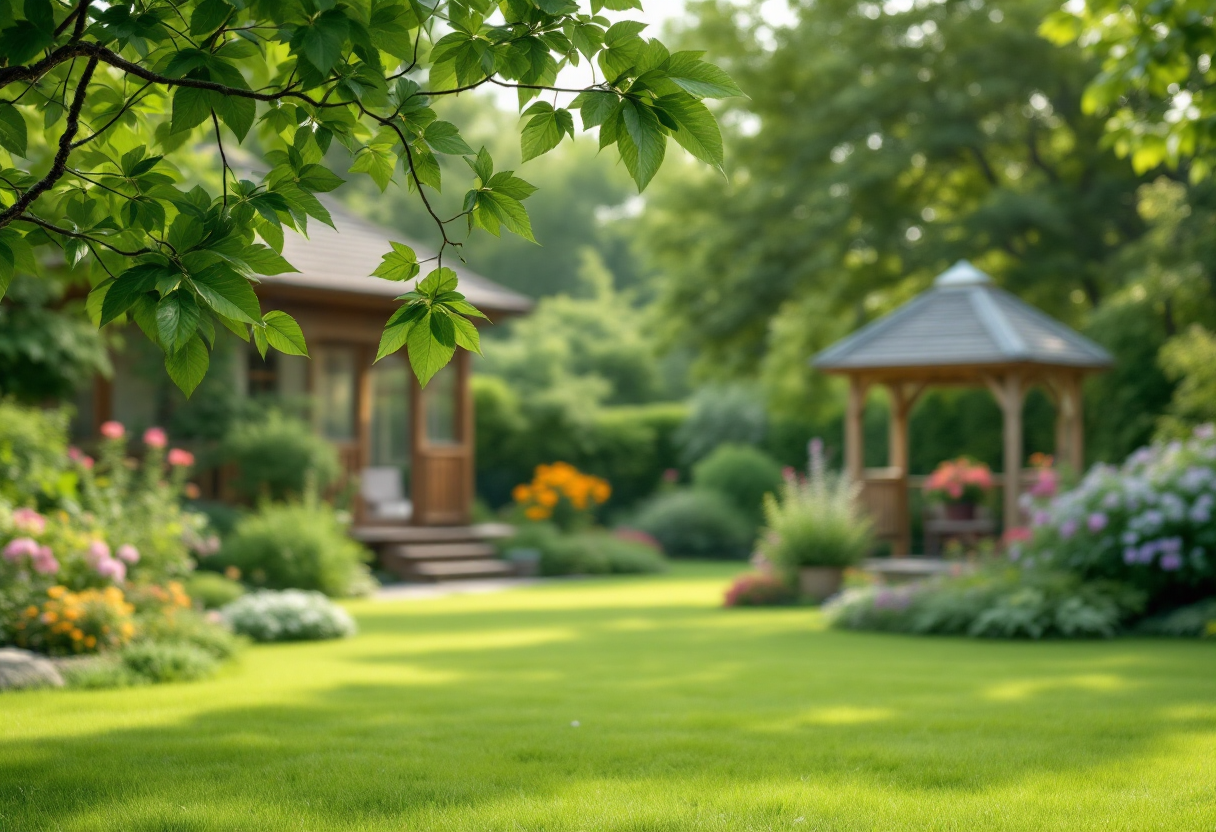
(437, 553)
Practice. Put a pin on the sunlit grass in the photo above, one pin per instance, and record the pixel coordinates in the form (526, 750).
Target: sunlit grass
(457, 714)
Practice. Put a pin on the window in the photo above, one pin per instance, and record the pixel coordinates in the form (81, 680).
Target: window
(390, 441)
(336, 392)
(439, 404)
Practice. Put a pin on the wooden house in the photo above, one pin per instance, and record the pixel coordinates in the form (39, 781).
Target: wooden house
(409, 450)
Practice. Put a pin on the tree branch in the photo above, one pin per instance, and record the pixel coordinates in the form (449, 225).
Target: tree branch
(30, 218)
(59, 165)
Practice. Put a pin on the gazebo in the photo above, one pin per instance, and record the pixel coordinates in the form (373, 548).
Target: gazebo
(962, 331)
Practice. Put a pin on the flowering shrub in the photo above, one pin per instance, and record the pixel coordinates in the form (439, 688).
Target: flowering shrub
(76, 622)
(290, 615)
(1148, 522)
(960, 480)
(561, 493)
(758, 589)
(816, 522)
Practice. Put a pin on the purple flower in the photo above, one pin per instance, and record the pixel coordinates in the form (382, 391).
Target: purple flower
(1129, 555)
(1207, 431)
(1096, 522)
(1171, 561)
(20, 547)
(1068, 528)
(1040, 518)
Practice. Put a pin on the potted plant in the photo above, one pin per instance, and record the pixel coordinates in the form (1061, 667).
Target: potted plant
(959, 485)
(814, 531)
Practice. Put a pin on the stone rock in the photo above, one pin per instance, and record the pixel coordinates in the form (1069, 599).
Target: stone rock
(22, 669)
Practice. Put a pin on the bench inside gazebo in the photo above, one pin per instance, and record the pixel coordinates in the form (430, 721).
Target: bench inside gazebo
(964, 331)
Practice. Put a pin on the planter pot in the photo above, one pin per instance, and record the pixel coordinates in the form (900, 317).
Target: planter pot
(525, 561)
(818, 583)
(960, 511)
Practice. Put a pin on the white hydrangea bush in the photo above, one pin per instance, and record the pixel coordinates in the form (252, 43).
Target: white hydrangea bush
(289, 615)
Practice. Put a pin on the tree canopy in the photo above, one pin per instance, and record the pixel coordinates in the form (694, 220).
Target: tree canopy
(878, 147)
(121, 90)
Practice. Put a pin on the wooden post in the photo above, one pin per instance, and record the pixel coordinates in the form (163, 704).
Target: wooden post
(1076, 443)
(897, 459)
(854, 437)
(1011, 406)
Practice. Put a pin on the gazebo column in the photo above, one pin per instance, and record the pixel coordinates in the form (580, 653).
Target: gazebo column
(1065, 389)
(903, 397)
(854, 437)
(1010, 392)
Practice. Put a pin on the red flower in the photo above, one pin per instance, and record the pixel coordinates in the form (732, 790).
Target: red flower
(178, 456)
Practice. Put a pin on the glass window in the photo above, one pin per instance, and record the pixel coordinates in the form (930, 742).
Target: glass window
(336, 392)
(390, 412)
(439, 403)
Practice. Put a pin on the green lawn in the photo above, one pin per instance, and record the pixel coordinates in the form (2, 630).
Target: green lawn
(459, 713)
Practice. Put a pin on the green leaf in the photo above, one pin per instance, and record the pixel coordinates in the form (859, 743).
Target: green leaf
(284, 334)
(698, 130)
(317, 178)
(465, 308)
(321, 43)
(378, 162)
(228, 293)
(467, 335)
(545, 130)
(483, 165)
(208, 16)
(191, 108)
(642, 142)
(397, 330)
(595, 107)
(695, 76)
(237, 113)
(399, 264)
(259, 340)
(426, 167)
(177, 317)
(265, 260)
(439, 280)
(187, 365)
(13, 135)
(92, 304)
(510, 212)
(427, 356)
(443, 137)
(129, 286)
(7, 268)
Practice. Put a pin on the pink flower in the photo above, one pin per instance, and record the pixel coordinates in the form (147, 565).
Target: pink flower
(128, 553)
(87, 462)
(29, 521)
(155, 438)
(20, 547)
(1096, 522)
(98, 552)
(178, 456)
(113, 569)
(113, 430)
(44, 561)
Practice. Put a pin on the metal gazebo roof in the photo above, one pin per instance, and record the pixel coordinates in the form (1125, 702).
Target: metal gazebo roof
(963, 321)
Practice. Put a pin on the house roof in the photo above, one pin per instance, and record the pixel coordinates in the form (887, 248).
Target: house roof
(963, 320)
(342, 261)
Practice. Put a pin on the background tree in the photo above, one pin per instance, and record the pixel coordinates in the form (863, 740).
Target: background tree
(120, 87)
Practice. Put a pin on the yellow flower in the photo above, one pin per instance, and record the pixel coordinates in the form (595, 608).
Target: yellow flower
(50, 617)
(90, 642)
(77, 635)
(31, 611)
(57, 591)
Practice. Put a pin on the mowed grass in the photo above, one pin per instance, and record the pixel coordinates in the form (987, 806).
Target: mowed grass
(458, 714)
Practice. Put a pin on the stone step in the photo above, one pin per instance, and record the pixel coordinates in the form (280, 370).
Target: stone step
(448, 570)
(442, 551)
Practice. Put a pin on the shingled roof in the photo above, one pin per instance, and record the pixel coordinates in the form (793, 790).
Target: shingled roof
(342, 260)
(964, 320)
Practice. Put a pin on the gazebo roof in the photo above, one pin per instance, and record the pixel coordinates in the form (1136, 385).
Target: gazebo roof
(963, 321)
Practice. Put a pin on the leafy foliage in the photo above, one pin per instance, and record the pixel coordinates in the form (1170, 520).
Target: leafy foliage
(290, 615)
(278, 458)
(742, 474)
(121, 88)
(695, 524)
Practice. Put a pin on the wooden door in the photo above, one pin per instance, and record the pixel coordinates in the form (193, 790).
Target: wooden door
(442, 428)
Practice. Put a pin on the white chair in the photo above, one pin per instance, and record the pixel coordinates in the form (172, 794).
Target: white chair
(381, 490)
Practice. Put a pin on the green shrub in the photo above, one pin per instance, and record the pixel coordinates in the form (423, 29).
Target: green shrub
(213, 590)
(695, 524)
(1191, 621)
(278, 457)
(185, 626)
(816, 522)
(33, 453)
(173, 661)
(995, 603)
(98, 673)
(742, 474)
(296, 546)
(594, 552)
(291, 615)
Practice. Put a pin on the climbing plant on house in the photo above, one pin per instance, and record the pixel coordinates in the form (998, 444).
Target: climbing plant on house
(98, 100)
